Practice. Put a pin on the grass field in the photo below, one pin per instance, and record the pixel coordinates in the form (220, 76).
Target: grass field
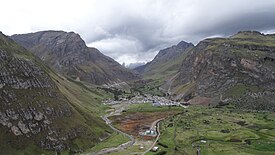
(131, 150)
(113, 141)
(147, 107)
(225, 131)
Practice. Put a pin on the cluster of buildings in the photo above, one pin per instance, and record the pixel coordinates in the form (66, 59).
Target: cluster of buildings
(150, 132)
(138, 99)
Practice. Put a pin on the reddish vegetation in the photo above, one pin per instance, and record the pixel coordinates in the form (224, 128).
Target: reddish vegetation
(138, 122)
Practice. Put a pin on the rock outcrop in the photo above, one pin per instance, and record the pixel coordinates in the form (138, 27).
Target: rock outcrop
(233, 69)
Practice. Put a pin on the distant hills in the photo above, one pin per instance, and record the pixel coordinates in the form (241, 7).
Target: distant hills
(133, 65)
(68, 54)
(166, 62)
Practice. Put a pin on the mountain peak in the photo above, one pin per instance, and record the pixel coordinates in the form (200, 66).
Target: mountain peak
(245, 34)
(159, 67)
(249, 32)
(68, 54)
(50, 38)
(173, 50)
(184, 44)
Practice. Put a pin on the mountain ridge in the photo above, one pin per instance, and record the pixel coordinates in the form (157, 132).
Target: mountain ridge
(68, 54)
(230, 70)
(158, 67)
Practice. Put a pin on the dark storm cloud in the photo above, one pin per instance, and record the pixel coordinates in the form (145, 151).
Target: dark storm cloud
(259, 21)
(134, 31)
(191, 21)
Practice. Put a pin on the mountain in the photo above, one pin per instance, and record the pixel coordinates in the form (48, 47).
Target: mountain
(239, 69)
(42, 112)
(166, 62)
(68, 54)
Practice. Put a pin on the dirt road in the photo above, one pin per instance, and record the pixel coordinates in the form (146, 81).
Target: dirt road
(118, 110)
(122, 146)
(155, 124)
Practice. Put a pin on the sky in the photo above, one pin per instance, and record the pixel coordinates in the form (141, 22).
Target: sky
(132, 31)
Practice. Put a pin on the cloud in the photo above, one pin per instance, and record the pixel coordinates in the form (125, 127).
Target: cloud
(129, 49)
(134, 31)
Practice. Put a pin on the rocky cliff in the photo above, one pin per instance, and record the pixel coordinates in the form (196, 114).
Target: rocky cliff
(68, 54)
(239, 70)
(34, 114)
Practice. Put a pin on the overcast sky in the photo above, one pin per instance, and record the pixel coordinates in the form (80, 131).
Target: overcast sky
(134, 30)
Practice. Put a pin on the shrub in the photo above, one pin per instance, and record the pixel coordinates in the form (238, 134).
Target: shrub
(161, 153)
(163, 145)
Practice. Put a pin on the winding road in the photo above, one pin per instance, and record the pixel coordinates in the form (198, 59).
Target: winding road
(120, 147)
(154, 126)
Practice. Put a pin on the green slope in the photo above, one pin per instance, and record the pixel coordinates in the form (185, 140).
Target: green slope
(166, 63)
(57, 114)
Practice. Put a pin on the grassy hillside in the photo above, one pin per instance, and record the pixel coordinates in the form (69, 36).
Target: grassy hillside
(42, 112)
(164, 70)
(85, 99)
(166, 63)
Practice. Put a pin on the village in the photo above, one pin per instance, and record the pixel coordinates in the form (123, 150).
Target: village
(152, 131)
(147, 98)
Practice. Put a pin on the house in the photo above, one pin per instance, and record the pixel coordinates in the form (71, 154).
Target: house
(155, 148)
(156, 104)
(150, 132)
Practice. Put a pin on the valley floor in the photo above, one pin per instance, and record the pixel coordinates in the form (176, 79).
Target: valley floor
(129, 120)
(209, 130)
(215, 131)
